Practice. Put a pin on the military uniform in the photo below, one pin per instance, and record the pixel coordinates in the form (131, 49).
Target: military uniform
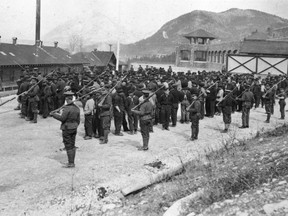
(282, 104)
(70, 118)
(166, 101)
(145, 114)
(118, 101)
(195, 115)
(227, 105)
(269, 100)
(247, 100)
(105, 118)
(33, 100)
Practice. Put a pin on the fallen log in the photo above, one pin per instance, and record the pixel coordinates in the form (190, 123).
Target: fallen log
(149, 180)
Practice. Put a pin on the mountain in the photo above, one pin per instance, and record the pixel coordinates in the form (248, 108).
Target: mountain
(230, 25)
(92, 29)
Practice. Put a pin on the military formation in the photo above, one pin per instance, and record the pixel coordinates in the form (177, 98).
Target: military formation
(143, 98)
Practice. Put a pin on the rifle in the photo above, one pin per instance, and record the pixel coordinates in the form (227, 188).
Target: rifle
(150, 96)
(226, 96)
(272, 87)
(27, 90)
(90, 82)
(110, 91)
(187, 109)
(56, 110)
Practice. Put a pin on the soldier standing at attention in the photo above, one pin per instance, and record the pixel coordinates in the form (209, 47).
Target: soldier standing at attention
(33, 100)
(145, 114)
(70, 118)
(247, 100)
(88, 113)
(227, 105)
(269, 100)
(105, 108)
(282, 103)
(195, 115)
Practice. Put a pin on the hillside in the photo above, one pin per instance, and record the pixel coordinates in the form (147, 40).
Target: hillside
(230, 25)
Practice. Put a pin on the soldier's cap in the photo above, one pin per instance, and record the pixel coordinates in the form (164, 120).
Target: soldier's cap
(175, 85)
(194, 94)
(146, 91)
(68, 93)
(34, 77)
(130, 91)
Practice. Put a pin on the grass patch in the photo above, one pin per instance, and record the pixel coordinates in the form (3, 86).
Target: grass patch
(234, 169)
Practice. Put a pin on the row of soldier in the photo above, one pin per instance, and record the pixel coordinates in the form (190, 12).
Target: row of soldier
(208, 93)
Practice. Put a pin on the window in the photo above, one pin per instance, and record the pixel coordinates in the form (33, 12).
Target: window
(3, 53)
(12, 54)
(185, 55)
(200, 55)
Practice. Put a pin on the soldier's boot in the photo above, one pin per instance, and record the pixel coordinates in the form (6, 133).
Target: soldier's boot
(193, 133)
(145, 145)
(104, 140)
(18, 107)
(71, 157)
(196, 133)
(34, 118)
(268, 118)
(225, 128)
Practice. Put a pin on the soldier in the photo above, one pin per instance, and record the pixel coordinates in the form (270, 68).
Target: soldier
(175, 104)
(131, 102)
(282, 103)
(145, 114)
(88, 113)
(269, 100)
(70, 118)
(105, 107)
(46, 98)
(195, 115)
(185, 100)
(24, 98)
(227, 105)
(33, 100)
(60, 85)
(247, 100)
(118, 110)
(166, 101)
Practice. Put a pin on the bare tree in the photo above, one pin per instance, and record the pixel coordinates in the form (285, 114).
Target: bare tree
(75, 43)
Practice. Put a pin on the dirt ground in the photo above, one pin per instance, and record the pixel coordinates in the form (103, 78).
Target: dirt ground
(32, 177)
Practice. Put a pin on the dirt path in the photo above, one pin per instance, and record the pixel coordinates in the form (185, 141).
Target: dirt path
(31, 173)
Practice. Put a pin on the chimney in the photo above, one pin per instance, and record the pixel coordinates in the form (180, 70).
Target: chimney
(38, 10)
(95, 50)
(14, 40)
(41, 43)
(38, 43)
(55, 44)
(0, 39)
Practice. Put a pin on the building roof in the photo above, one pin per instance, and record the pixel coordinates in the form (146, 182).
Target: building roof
(20, 54)
(97, 58)
(264, 47)
(199, 33)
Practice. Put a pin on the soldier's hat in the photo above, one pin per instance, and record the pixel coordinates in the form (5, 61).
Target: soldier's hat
(146, 91)
(68, 93)
(34, 77)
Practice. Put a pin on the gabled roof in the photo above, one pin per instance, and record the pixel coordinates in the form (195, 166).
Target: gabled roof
(199, 33)
(21, 54)
(264, 47)
(97, 58)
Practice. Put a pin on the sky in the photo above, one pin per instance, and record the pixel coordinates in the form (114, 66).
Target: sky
(143, 16)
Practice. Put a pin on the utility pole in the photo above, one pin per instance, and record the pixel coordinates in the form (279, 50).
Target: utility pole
(118, 41)
(110, 45)
(38, 15)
